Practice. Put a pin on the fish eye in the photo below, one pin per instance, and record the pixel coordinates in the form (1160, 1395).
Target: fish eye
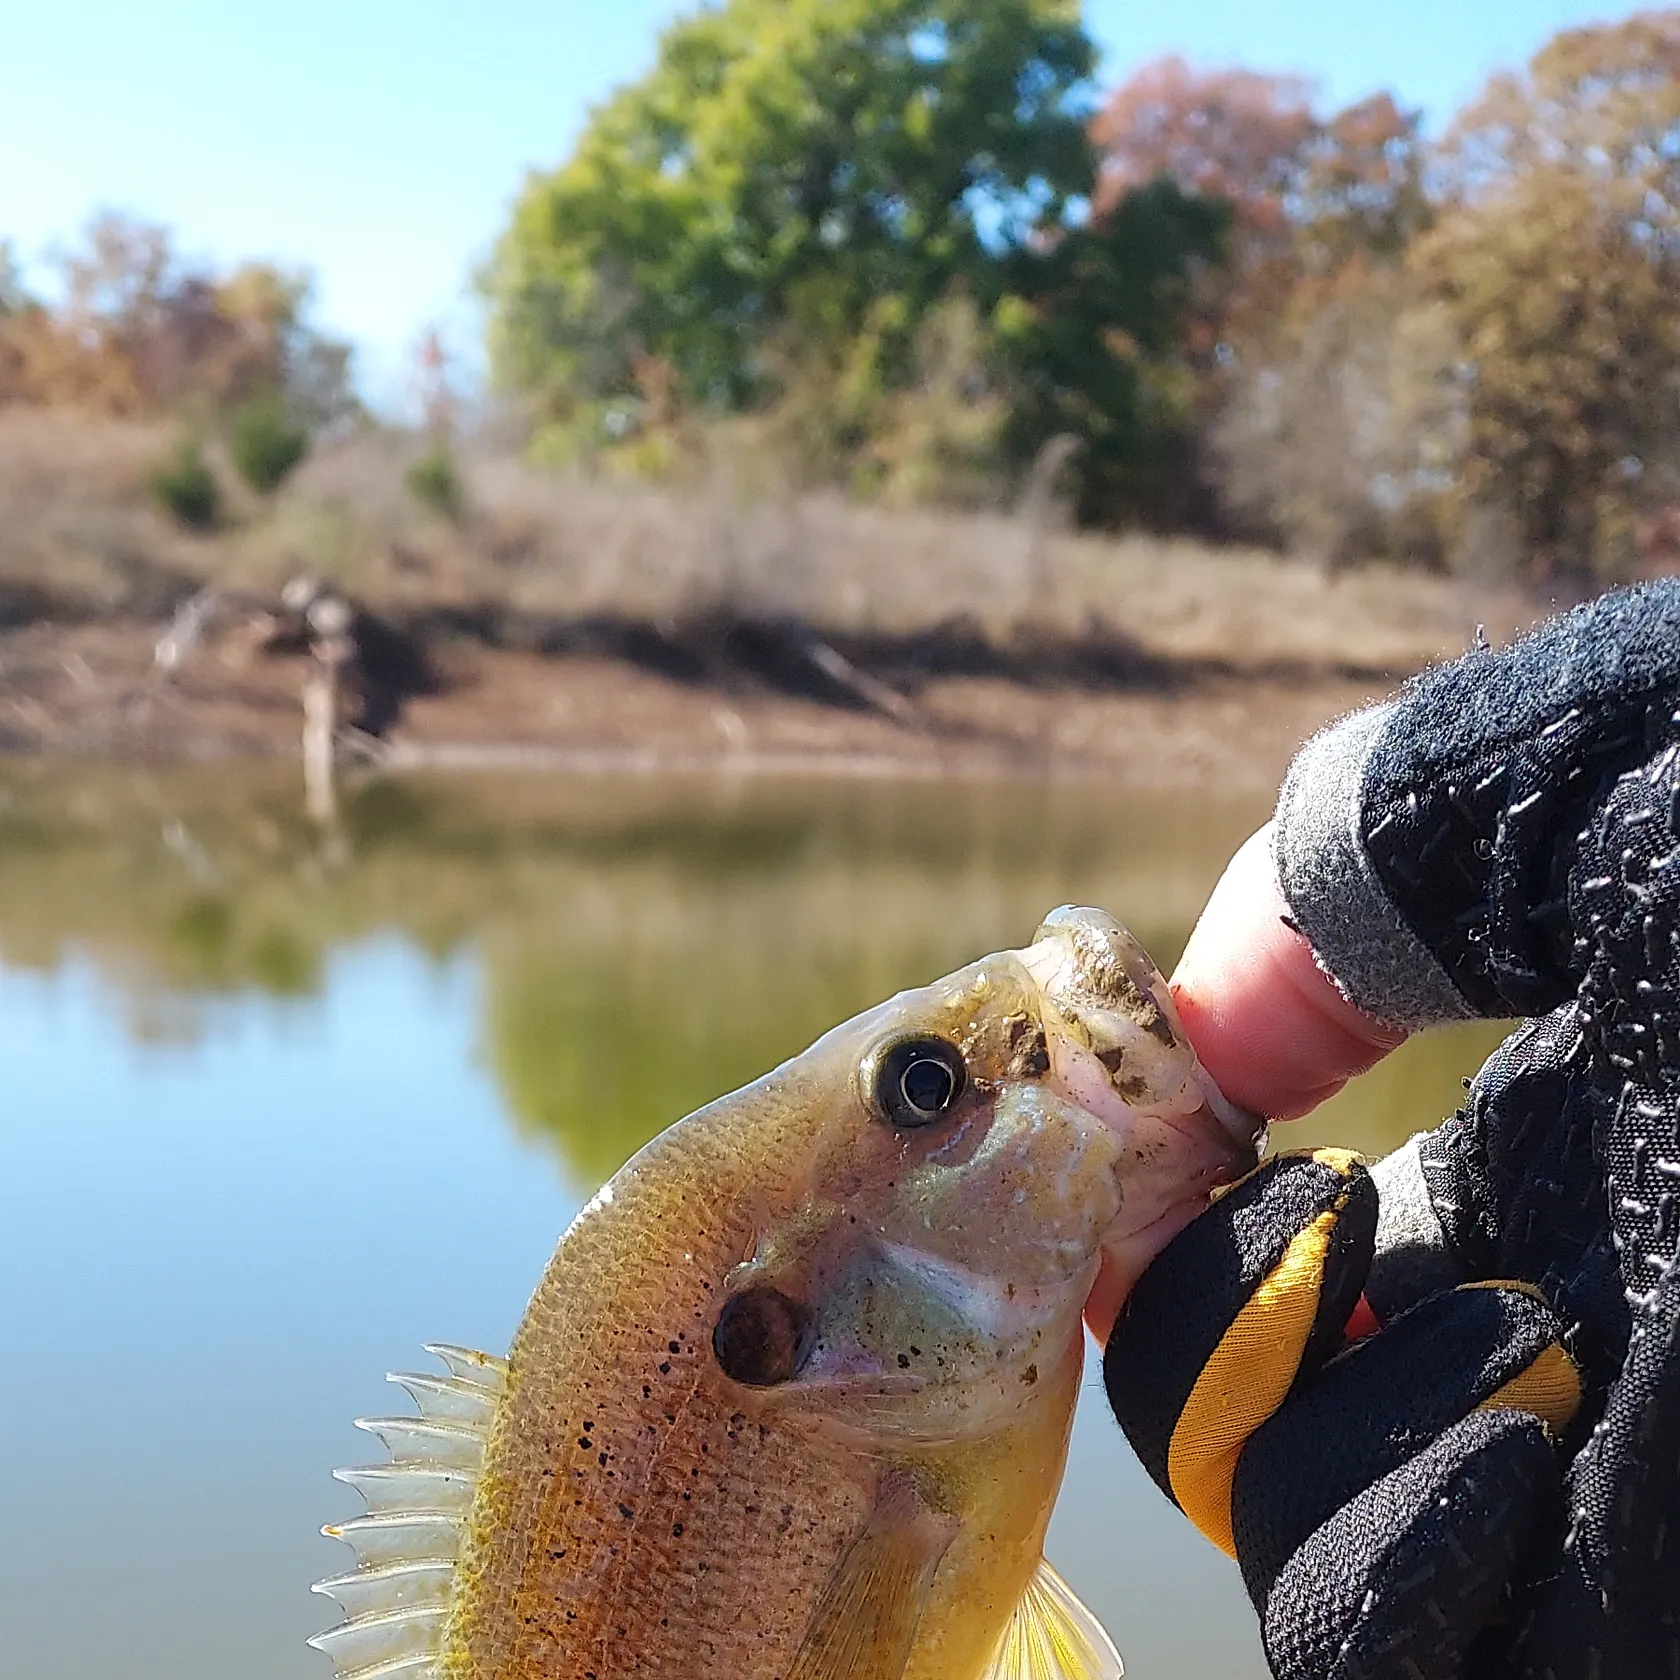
(917, 1081)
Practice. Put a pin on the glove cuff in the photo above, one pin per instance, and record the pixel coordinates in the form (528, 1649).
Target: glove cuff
(1357, 934)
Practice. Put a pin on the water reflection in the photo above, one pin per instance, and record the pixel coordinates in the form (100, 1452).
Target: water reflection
(259, 1129)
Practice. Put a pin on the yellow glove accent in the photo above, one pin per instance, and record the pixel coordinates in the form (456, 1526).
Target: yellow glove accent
(1245, 1382)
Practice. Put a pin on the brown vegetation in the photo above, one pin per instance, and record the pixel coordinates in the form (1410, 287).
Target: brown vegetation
(135, 332)
(1315, 334)
(597, 621)
(533, 548)
(1463, 354)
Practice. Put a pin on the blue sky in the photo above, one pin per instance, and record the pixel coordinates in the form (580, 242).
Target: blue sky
(379, 145)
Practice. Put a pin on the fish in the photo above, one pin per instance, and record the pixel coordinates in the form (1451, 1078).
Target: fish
(792, 1398)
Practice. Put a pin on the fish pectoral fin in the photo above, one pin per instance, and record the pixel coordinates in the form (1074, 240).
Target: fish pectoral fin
(865, 1621)
(1052, 1636)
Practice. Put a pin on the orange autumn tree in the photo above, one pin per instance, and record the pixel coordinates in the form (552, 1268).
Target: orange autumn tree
(1557, 260)
(134, 332)
(1306, 194)
(1318, 205)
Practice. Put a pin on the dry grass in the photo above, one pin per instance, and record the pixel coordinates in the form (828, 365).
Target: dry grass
(78, 536)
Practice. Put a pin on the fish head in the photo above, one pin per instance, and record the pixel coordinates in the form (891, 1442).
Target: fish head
(973, 1152)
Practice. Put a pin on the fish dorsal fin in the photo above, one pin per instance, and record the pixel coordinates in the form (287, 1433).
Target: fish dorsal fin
(396, 1599)
(1052, 1636)
(865, 1621)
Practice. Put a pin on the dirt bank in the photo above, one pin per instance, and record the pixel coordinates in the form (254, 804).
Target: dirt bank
(566, 622)
(98, 690)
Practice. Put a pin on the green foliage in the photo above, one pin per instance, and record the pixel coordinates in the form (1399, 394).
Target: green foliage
(1092, 334)
(264, 444)
(186, 488)
(861, 221)
(942, 437)
(935, 436)
(434, 480)
(812, 167)
(897, 246)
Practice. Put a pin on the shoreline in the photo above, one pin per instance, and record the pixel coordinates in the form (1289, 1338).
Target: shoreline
(96, 691)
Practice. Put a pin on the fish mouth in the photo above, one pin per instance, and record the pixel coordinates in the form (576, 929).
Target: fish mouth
(1119, 1052)
(1118, 1047)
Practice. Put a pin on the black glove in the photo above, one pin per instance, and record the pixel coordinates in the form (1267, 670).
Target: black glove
(1501, 839)
(1378, 1496)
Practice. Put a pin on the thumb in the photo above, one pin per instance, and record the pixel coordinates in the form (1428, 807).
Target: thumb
(1268, 1023)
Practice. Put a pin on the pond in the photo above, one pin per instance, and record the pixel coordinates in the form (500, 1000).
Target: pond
(281, 1107)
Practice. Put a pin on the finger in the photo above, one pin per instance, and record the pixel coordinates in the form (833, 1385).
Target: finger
(1218, 1329)
(1266, 1020)
(1400, 1581)
(1382, 1401)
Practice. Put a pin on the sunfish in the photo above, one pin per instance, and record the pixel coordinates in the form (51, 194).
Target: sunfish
(792, 1398)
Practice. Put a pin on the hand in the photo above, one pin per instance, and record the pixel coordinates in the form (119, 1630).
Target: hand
(1379, 1497)
(1426, 1504)
(1430, 1501)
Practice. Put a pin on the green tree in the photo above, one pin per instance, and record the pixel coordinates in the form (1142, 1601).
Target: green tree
(186, 488)
(1092, 336)
(806, 167)
(265, 445)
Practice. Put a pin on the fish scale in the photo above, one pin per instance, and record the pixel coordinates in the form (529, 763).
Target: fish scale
(712, 1470)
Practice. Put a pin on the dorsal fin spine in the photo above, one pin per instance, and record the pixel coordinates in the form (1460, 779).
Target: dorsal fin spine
(483, 1370)
(397, 1597)
(421, 1440)
(448, 1399)
(413, 1536)
(417, 1581)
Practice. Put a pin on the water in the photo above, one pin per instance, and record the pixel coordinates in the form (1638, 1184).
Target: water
(280, 1109)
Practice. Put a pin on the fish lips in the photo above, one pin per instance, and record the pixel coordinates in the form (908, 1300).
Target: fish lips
(1119, 1052)
(1123, 1048)
(1171, 1161)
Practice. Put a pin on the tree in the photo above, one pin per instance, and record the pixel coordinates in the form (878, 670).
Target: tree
(1091, 336)
(1599, 102)
(138, 332)
(809, 168)
(1344, 438)
(1233, 135)
(1557, 258)
(264, 444)
(1305, 193)
(1316, 207)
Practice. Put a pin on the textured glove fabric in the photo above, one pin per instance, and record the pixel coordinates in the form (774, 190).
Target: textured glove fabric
(1565, 1167)
(1502, 838)
(1428, 847)
(1515, 818)
(1218, 1329)
(1377, 1496)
